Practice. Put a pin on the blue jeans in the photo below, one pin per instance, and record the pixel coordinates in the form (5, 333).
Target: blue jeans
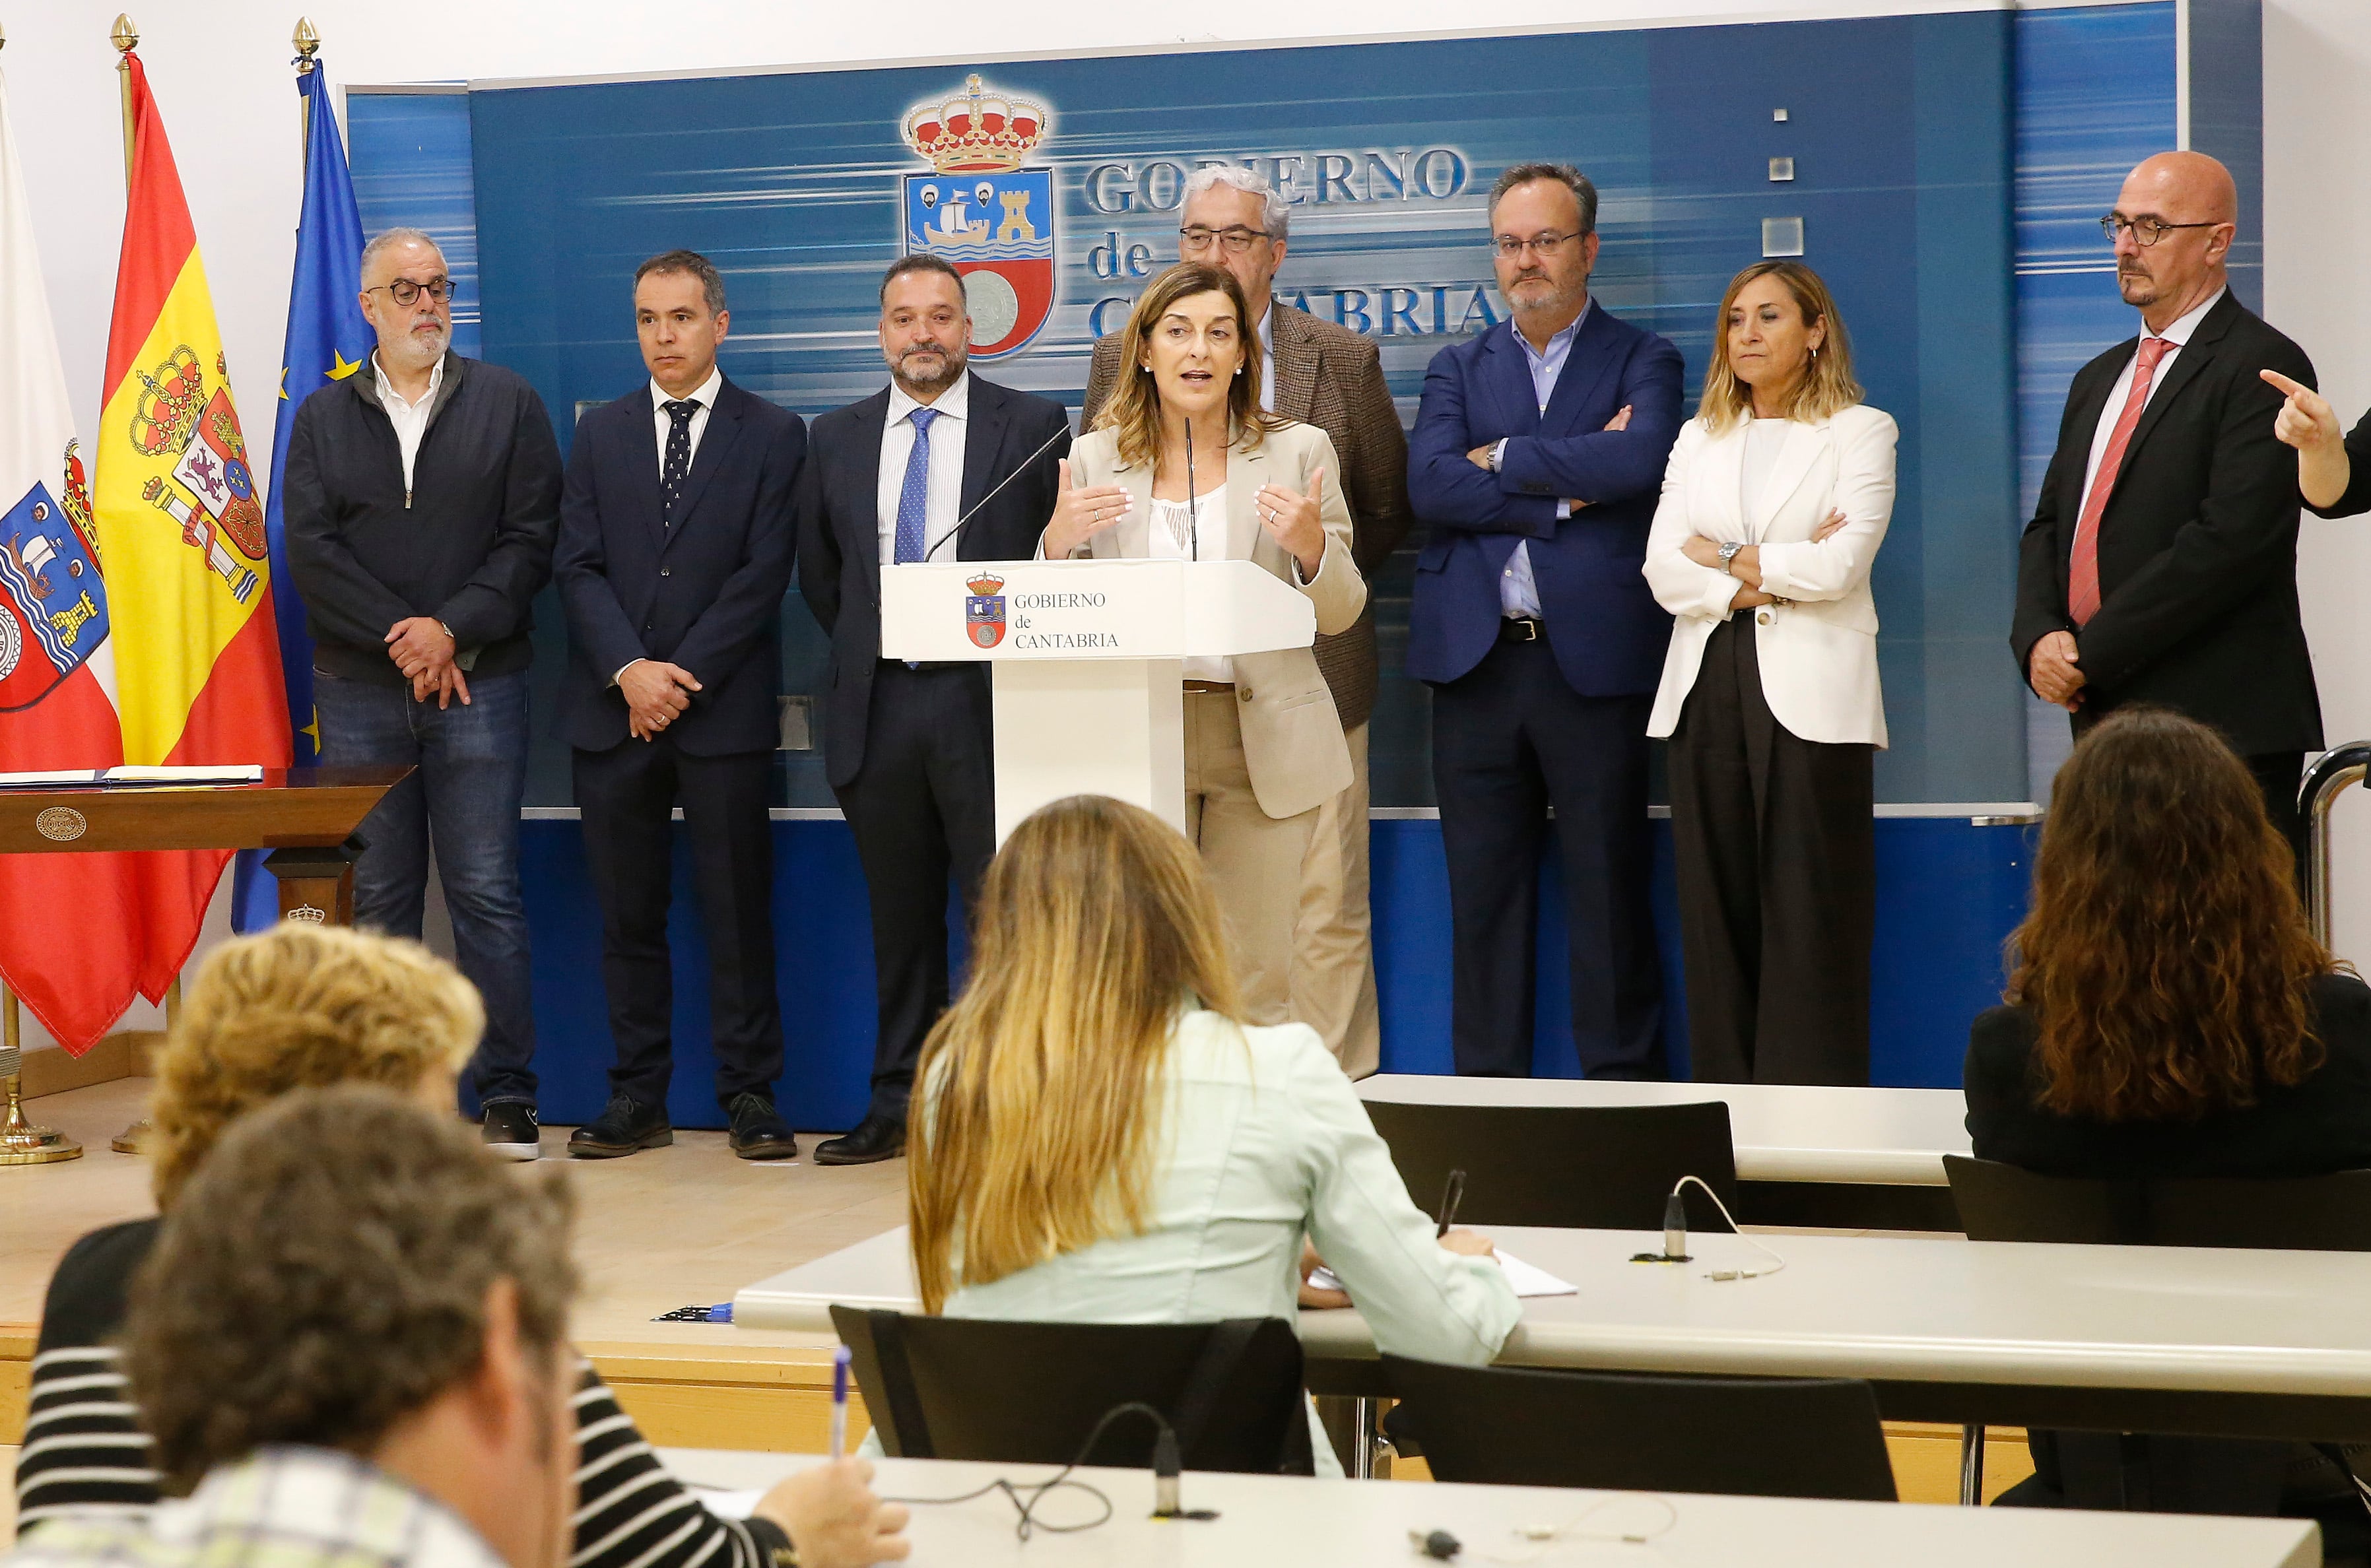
(472, 765)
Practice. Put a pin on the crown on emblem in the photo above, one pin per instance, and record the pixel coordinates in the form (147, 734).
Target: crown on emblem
(308, 914)
(975, 131)
(987, 582)
(167, 412)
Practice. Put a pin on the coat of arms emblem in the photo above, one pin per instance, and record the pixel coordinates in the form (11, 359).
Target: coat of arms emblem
(991, 219)
(984, 611)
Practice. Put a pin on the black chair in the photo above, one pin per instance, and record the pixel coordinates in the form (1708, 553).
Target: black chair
(2139, 1470)
(1571, 1167)
(2312, 1214)
(1747, 1437)
(1031, 1393)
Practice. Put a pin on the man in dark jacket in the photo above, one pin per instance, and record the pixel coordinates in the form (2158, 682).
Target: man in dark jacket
(939, 466)
(422, 496)
(2160, 564)
(675, 544)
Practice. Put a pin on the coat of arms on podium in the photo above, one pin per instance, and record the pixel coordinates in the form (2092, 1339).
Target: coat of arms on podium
(984, 611)
(979, 209)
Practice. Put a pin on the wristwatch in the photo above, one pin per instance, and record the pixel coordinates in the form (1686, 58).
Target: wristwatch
(1498, 449)
(1728, 555)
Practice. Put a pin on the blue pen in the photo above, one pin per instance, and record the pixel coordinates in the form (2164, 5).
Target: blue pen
(839, 1360)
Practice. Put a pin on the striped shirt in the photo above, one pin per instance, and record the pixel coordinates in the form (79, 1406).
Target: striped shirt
(86, 1457)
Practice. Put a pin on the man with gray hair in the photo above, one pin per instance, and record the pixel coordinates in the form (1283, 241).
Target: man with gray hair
(1327, 375)
(1537, 457)
(422, 500)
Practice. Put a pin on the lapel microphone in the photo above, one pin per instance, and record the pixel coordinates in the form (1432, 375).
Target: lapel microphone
(1021, 467)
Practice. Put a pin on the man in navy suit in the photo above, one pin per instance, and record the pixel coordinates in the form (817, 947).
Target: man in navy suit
(1536, 457)
(937, 466)
(675, 544)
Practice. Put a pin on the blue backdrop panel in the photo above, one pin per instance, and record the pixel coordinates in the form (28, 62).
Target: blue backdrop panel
(1898, 130)
(1948, 893)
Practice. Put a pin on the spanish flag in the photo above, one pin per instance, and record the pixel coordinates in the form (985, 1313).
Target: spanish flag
(180, 534)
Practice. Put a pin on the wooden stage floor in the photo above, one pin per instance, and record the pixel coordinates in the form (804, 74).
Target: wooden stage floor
(664, 1228)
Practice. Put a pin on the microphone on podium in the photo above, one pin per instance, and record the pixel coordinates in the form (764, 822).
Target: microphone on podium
(1018, 468)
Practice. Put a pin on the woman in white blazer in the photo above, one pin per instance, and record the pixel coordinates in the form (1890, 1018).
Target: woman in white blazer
(1774, 501)
(1183, 464)
(1099, 1137)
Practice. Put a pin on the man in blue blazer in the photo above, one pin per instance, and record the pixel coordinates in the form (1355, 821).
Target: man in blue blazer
(677, 539)
(939, 466)
(1536, 458)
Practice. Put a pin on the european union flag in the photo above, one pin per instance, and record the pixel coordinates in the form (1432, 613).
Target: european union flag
(328, 340)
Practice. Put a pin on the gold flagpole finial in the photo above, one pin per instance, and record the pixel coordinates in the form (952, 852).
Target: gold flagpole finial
(307, 40)
(125, 35)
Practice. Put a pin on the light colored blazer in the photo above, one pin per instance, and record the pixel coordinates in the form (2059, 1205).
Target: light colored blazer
(1818, 649)
(1263, 1141)
(1292, 734)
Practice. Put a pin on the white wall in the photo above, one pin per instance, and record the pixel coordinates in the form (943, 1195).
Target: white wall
(220, 72)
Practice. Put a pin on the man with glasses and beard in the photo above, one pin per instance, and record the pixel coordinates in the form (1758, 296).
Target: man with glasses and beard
(2160, 564)
(940, 466)
(423, 498)
(1537, 456)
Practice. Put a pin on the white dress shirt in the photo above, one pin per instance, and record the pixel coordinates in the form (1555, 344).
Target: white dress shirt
(410, 420)
(1764, 440)
(942, 497)
(2177, 333)
(1172, 536)
(704, 395)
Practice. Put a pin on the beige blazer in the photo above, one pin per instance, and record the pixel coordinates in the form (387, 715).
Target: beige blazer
(1818, 649)
(1292, 734)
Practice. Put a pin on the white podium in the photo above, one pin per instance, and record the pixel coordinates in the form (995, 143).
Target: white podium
(1088, 660)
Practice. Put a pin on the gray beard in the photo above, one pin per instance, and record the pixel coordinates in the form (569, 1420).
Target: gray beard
(917, 384)
(410, 353)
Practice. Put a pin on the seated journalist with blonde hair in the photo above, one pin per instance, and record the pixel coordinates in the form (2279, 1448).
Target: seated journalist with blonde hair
(304, 1007)
(1101, 1138)
(1185, 464)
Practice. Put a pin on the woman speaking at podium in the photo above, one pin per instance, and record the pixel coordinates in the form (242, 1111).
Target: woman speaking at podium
(1184, 464)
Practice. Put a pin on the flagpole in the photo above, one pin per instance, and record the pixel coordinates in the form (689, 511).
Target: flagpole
(127, 39)
(21, 1143)
(307, 40)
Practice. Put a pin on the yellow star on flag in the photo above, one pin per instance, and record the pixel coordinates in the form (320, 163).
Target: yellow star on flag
(344, 367)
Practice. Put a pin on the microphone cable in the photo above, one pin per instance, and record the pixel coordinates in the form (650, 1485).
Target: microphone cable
(1026, 1496)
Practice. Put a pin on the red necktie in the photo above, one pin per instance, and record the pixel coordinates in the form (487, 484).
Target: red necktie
(2083, 569)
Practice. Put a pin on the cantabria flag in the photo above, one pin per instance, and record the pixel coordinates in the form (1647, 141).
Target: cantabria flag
(181, 528)
(70, 930)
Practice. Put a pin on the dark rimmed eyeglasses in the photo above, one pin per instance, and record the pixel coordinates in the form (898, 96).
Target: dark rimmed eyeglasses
(403, 291)
(1544, 246)
(1236, 237)
(2145, 231)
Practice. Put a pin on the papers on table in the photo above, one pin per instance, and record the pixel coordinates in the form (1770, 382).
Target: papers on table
(1527, 1279)
(80, 777)
(730, 1504)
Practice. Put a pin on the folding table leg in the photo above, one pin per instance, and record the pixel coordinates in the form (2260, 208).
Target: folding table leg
(1972, 1465)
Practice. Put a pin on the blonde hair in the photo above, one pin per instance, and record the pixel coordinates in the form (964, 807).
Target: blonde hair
(301, 1006)
(1134, 408)
(1827, 388)
(1040, 1115)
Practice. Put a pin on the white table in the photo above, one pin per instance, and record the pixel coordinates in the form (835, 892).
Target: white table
(2143, 1339)
(1293, 1522)
(1806, 1155)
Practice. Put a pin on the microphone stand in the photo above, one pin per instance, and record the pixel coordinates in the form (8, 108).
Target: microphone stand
(1193, 523)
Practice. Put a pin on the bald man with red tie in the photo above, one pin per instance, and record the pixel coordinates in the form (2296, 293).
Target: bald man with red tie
(2160, 565)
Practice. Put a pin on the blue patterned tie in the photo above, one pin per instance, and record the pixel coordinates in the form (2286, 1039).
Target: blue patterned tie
(914, 499)
(677, 462)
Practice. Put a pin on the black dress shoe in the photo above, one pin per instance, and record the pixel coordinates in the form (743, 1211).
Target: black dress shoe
(758, 1130)
(877, 1138)
(627, 1126)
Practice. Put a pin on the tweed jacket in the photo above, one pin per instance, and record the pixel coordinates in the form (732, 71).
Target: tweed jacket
(1331, 377)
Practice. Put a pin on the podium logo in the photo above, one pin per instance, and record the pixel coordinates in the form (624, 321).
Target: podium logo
(989, 217)
(984, 611)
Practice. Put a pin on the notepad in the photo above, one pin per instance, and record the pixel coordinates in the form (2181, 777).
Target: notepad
(1527, 1279)
(78, 777)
